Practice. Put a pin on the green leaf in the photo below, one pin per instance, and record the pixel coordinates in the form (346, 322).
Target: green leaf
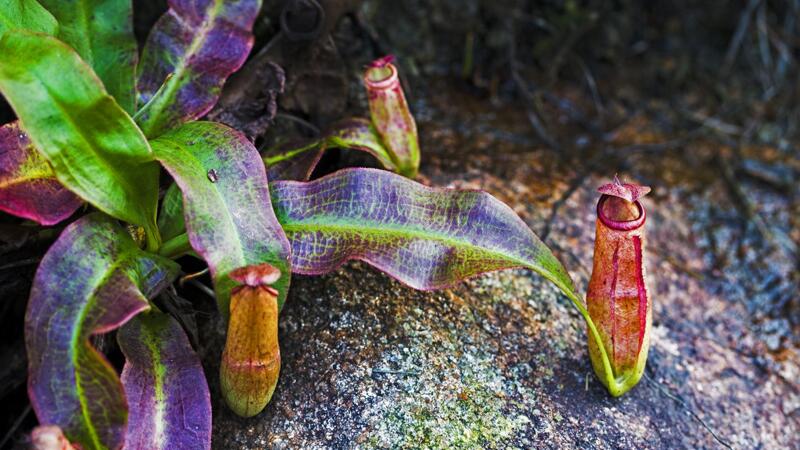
(26, 15)
(228, 214)
(101, 31)
(94, 147)
(92, 280)
(170, 216)
(360, 134)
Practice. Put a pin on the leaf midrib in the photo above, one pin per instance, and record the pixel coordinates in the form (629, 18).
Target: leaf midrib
(13, 181)
(392, 231)
(123, 257)
(289, 227)
(99, 155)
(181, 66)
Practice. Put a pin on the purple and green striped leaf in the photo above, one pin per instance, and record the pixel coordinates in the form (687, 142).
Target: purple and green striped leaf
(190, 52)
(425, 237)
(168, 399)
(28, 186)
(229, 218)
(92, 280)
(94, 147)
(26, 15)
(101, 31)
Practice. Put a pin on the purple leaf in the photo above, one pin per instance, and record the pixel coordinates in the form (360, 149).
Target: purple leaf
(229, 218)
(168, 398)
(28, 186)
(92, 280)
(189, 53)
(425, 237)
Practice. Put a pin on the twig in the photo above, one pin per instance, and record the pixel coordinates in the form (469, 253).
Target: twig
(529, 99)
(20, 263)
(738, 35)
(203, 288)
(300, 121)
(574, 184)
(192, 276)
(686, 407)
(16, 425)
(592, 84)
(741, 200)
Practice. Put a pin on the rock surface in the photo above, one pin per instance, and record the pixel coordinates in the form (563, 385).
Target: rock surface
(501, 360)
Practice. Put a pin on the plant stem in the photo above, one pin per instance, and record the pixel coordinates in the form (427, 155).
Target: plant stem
(152, 238)
(270, 160)
(176, 247)
(615, 387)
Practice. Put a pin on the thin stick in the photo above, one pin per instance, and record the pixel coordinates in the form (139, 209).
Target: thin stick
(738, 35)
(205, 289)
(20, 263)
(16, 425)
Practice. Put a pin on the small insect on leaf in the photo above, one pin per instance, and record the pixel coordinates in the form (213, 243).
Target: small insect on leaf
(212, 175)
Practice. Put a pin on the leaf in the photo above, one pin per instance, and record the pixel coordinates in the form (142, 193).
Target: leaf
(299, 166)
(189, 53)
(297, 160)
(170, 216)
(26, 15)
(92, 280)
(228, 215)
(425, 237)
(101, 31)
(28, 186)
(360, 134)
(168, 397)
(94, 147)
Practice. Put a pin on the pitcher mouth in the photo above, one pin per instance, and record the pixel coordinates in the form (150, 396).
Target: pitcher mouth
(384, 83)
(620, 225)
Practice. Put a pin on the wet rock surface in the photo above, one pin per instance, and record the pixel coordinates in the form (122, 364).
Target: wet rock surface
(501, 362)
